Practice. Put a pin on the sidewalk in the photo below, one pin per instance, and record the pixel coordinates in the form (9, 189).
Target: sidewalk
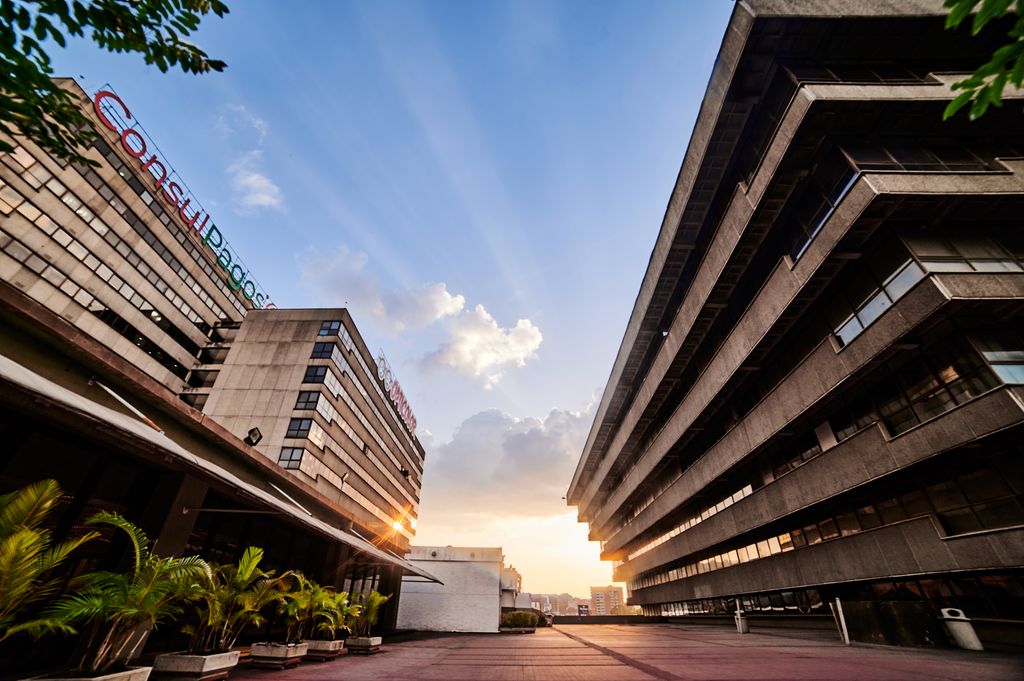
(647, 653)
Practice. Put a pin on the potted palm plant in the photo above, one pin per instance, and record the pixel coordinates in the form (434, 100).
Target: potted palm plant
(120, 607)
(327, 615)
(29, 557)
(232, 598)
(293, 596)
(363, 642)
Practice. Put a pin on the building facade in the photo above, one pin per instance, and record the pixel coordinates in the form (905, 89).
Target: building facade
(606, 600)
(144, 368)
(818, 394)
(474, 582)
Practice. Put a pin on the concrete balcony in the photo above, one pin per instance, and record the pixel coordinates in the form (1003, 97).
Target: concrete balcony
(823, 371)
(858, 460)
(905, 549)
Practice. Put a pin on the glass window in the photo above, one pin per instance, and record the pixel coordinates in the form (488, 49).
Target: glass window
(915, 503)
(945, 496)
(1001, 513)
(291, 457)
(322, 350)
(847, 523)
(298, 427)
(828, 529)
(330, 327)
(1004, 352)
(813, 534)
(983, 485)
(798, 538)
(960, 521)
(868, 517)
(314, 375)
(307, 399)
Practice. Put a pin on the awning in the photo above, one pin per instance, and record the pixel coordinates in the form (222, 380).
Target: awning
(28, 380)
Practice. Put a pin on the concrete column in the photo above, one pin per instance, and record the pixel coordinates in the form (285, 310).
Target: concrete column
(178, 526)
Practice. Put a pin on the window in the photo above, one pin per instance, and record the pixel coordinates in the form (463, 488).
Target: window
(314, 375)
(330, 328)
(930, 384)
(826, 187)
(872, 289)
(322, 351)
(960, 252)
(1004, 352)
(317, 435)
(291, 457)
(299, 427)
(307, 399)
(900, 156)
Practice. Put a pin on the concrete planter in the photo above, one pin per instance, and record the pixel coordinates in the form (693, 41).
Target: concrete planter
(184, 667)
(278, 655)
(363, 645)
(323, 650)
(130, 674)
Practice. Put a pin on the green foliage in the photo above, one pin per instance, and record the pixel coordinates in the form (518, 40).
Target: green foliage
(31, 104)
(315, 611)
(369, 611)
(28, 557)
(985, 86)
(519, 619)
(232, 597)
(117, 604)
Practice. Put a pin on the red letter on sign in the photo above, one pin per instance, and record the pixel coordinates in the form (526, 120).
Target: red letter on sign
(127, 147)
(106, 94)
(172, 193)
(154, 161)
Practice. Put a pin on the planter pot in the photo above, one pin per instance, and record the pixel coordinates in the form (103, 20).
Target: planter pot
(279, 655)
(183, 667)
(517, 630)
(130, 674)
(323, 650)
(363, 645)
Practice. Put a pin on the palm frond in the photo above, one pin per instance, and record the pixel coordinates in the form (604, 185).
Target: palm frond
(36, 628)
(138, 538)
(28, 506)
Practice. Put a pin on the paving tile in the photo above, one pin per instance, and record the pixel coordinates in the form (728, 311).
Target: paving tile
(649, 653)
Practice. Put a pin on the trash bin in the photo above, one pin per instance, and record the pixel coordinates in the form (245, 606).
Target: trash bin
(742, 625)
(960, 629)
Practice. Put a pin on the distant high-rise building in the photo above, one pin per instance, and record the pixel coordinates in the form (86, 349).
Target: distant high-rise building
(818, 394)
(605, 599)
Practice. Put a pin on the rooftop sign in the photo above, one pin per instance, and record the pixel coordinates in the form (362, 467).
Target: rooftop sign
(385, 374)
(114, 115)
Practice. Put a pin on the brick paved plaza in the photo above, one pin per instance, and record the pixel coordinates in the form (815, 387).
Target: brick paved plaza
(646, 653)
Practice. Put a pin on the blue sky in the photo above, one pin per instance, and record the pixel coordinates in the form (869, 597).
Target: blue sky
(482, 184)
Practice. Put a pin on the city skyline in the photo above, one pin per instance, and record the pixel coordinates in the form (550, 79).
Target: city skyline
(431, 171)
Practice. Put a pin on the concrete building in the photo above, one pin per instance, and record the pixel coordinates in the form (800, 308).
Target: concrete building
(475, 585)
(143, 367)
(818, 392)
(605, 599)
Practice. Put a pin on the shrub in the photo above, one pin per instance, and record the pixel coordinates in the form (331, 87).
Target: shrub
(519, 619)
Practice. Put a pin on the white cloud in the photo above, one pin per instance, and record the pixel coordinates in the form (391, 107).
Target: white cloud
(252, 189)
(231, 117)
(477, 346)
(340, 277)
(497, 464)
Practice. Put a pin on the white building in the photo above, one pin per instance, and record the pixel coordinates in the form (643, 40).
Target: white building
(476, 585)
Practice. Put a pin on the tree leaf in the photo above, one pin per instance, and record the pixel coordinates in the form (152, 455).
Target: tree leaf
(958, 103)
